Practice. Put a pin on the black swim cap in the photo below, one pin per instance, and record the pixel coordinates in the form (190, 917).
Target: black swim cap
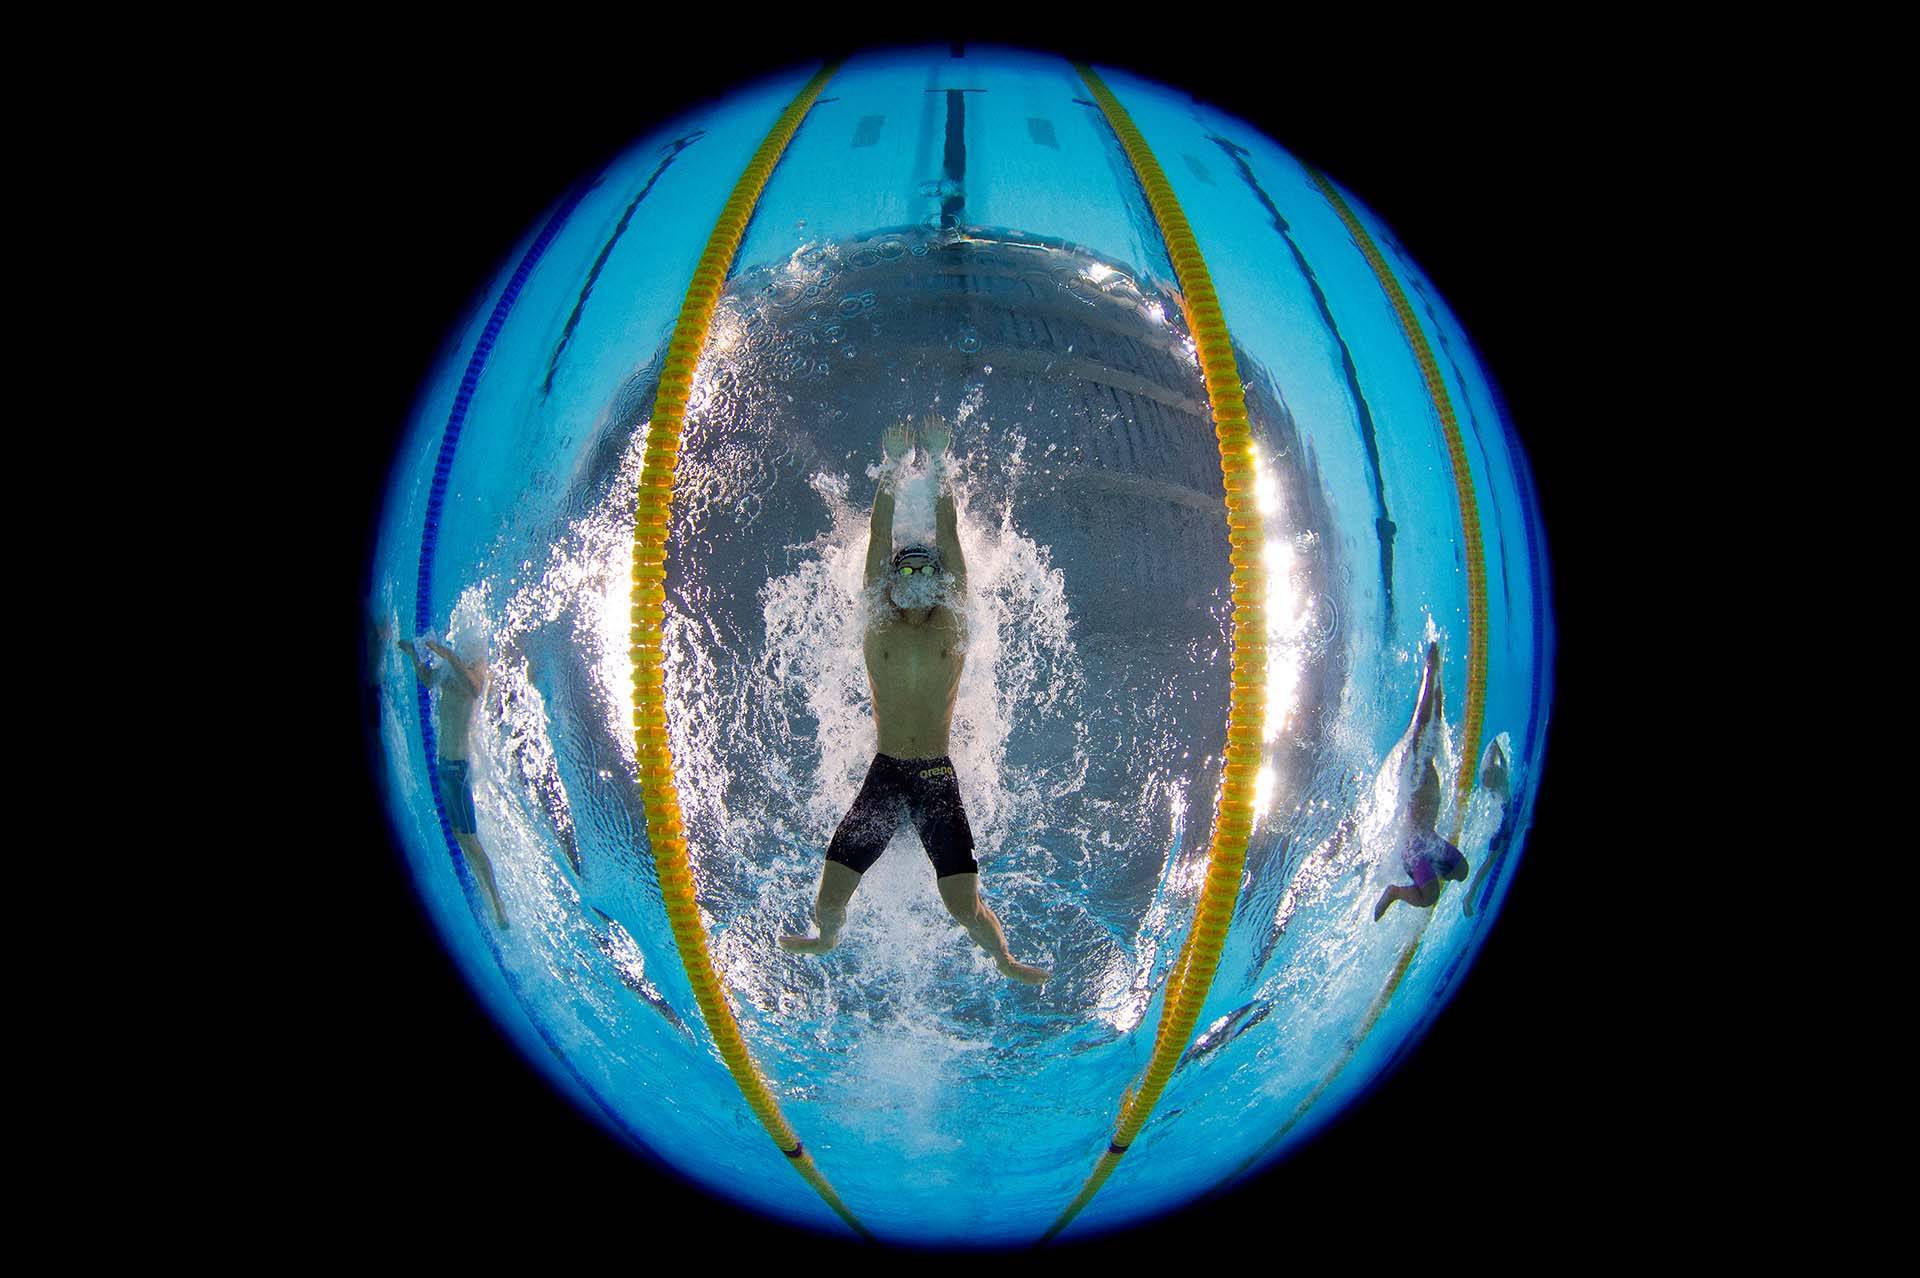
(916, 558)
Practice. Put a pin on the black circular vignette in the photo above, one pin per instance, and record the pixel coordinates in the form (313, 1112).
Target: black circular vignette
(1509, 1105)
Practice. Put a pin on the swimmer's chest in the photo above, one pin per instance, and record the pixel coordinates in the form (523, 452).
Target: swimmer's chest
(897, 650)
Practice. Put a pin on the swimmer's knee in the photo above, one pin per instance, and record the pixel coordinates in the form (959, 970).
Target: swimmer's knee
(962, 900)
(838, 882)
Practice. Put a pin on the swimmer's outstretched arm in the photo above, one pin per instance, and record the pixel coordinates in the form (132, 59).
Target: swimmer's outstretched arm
(880, 531)
(1432, 696)
(934, 437)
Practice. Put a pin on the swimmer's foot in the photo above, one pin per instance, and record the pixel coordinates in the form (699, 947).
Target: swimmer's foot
(1380, 907)
(808, 944)
(1024, 972)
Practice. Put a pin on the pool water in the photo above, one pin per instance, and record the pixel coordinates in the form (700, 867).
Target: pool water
(963, 236)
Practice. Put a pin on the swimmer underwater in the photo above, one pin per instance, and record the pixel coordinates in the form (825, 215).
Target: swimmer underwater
(1429, 860)
(915, 649)
(460, 682)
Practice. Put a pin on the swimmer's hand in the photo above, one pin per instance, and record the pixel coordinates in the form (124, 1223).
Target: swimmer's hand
(420, 670)
(935, 434)
(896, 441)
(1014, 970)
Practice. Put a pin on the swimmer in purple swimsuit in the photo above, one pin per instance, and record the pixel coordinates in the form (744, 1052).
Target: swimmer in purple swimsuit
(1427, 858)
(915, 648)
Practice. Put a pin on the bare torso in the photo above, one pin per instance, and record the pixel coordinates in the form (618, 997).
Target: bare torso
(455, 718)
(915, 673)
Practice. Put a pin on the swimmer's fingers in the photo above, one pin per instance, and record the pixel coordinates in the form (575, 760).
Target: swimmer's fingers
(935, 435)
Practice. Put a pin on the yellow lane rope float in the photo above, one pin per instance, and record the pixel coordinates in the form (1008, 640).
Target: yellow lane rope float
(666, 832)
(1226, 858)
(1462, 487)
(1476, 623)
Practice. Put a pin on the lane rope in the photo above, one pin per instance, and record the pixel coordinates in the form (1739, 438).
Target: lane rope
(1462, 476)
(1192, 974)
(1475, 551)
(423, 624)
(666, 831)
(1487, 878)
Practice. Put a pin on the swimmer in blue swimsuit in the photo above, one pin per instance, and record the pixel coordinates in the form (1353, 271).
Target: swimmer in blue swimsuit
(459, 684)
(1427, 858)
(915, 649)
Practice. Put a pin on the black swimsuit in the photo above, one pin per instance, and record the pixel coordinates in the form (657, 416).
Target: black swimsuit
(895, 789)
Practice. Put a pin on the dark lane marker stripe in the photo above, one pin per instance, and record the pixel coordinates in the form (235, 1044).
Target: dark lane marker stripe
(573, 320)
(955, 160)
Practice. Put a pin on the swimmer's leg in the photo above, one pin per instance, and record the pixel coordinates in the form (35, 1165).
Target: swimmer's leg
(960, 893)
(837, 884)
(483, 871)
(1420, 896)
(858, 842)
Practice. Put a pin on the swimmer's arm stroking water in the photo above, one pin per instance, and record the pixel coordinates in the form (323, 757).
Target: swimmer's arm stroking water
(934, 437)
(475, 673)
(1432, 703)
(420, 670)
(880, 532)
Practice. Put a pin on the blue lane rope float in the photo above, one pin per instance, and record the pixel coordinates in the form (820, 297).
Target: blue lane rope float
(423, 624)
